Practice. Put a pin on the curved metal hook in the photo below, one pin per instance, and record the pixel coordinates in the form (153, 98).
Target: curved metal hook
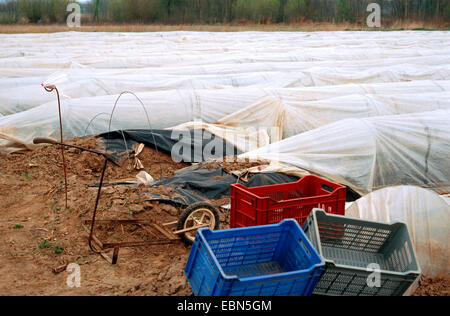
(148, 121)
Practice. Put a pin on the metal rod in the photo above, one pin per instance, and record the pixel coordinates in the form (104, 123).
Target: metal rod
(91, 234)
(50, 89)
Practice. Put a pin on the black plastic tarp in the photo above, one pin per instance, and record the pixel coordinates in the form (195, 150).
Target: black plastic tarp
(186, 146)
(196, 183)
(200, 183)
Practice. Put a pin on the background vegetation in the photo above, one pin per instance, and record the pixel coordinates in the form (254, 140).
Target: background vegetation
(225, 11)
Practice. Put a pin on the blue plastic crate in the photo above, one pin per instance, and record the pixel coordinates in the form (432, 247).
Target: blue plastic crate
(265, 260)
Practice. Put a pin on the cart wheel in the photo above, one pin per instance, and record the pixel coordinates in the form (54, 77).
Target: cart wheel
(195, 215)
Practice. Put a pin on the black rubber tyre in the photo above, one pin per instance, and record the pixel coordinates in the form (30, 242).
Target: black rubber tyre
(189, 213)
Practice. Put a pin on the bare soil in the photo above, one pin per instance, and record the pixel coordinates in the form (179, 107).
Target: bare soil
(233, 163)
(433, 287)
(39, 237)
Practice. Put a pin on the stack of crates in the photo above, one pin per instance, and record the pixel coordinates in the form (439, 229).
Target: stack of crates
(266, 253)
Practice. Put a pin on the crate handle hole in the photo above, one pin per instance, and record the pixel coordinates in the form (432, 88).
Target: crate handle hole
(327, 188)
(304, 247)
(408, 252)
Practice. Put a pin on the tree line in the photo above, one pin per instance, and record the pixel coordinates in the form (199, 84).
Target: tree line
(224, 11)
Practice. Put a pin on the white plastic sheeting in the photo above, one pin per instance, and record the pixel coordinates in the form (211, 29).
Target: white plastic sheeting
(426, 214)
(371, 153)
(86, 116)
(288, 114)
(291, 81)
(13, 100)
(301, 116)
(100, 64)
(137, 50)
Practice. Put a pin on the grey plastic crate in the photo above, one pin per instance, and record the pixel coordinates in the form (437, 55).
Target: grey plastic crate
(349, 245)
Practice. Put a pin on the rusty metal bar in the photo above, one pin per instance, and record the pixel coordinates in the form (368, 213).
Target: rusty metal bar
(50, 89)
(91, 234)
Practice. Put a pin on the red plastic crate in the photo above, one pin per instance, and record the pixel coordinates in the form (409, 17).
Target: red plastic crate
(273, 203)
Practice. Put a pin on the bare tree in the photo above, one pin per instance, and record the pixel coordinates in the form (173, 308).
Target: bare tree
(96, 9)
